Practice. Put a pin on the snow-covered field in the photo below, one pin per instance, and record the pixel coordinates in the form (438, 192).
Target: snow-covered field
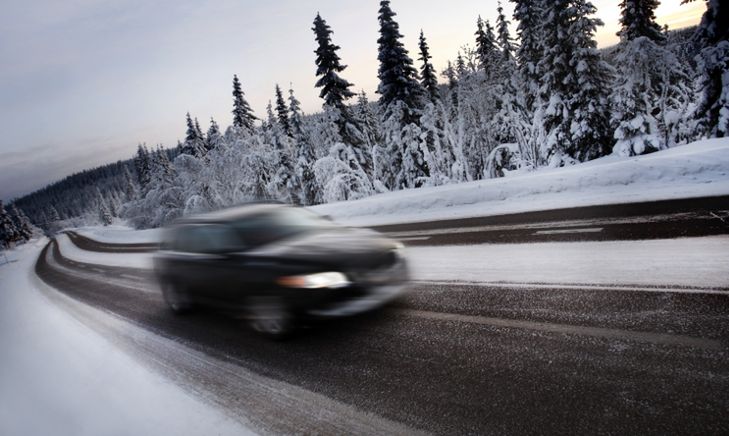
(695, 170)
(57, 377)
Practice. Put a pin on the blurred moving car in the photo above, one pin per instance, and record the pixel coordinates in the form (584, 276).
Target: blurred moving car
(276, 264)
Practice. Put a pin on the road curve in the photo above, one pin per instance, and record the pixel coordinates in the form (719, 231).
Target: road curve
(693, 217)
(444, 359)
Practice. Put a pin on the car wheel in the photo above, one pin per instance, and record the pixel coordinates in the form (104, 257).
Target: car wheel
(177, 301)
(272, 320)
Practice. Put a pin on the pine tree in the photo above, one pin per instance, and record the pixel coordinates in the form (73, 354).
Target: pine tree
(506, 43)
(427, 72)
(712, 38)
(243, 117)
(198, 131)
(282, 111)
(529, 15)
(334, 89)
(8, 232)
(638, 18)
(105, 216)
(22, 223)
(143, 165)
(650, 94)
(575, 84)
(398, 77)
(295, 115)
(53, 214)
(194, 144)
(213, 138)
(486, 49)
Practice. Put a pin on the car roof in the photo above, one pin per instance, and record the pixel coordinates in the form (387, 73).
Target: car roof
(230, 214)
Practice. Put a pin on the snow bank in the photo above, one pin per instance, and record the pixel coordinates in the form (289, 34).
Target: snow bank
(58, 377)
(69, 250)
(120, 234)
(695, 170)
(689, 262)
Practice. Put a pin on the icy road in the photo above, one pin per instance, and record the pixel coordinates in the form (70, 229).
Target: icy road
(480, 355)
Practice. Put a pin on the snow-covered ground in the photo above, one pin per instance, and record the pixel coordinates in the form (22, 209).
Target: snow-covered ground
(695, 170)
(687, 262)
(69, 250)
(119, 234)
(58, 377)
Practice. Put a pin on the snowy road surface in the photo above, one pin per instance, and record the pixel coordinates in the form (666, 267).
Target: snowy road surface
(642, 353)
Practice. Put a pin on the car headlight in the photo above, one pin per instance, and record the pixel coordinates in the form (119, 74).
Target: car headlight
(330, 280)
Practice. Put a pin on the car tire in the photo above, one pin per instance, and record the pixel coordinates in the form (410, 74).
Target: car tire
(272, 320)
(178, 302)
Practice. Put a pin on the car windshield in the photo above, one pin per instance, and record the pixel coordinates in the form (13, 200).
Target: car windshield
(264, 228)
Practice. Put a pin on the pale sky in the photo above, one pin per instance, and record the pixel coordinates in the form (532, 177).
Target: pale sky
(84, 81)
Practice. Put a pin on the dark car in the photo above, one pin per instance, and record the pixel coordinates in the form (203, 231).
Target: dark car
(275, 265)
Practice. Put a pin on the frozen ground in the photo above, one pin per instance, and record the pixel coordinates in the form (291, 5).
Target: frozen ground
(57, 377)
(695, 170)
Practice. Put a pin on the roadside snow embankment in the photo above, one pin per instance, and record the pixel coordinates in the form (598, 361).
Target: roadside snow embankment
(120, 235)
(59, 377)
(69, 250)
(685, 262)
(699, 169)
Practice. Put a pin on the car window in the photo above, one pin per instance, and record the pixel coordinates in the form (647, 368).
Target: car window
(264, 228)
(207, 238)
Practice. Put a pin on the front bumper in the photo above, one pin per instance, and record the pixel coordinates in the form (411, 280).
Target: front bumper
(379, 287)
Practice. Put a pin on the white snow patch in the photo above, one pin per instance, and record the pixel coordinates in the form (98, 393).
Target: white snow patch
(59, 377)
(120, 234)
(689, 262)
(69, 250)
(694, 170)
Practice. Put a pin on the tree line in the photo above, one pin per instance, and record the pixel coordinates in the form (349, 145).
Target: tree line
(543, 97)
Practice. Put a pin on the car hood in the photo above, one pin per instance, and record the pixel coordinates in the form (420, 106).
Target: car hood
(343, 247)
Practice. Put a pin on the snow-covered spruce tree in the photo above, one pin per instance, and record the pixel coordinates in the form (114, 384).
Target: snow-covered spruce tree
(8, 232)
(105, 216)
(506, 43)
(575, 84)
(427, 72)
(194, 144)
(282, 112)
(22, 222)
(243, 117)
(712, 37)
(143, 165)
(367, 119)
(401, 101)
(303, 185)
(213, 138)
(334, 89)
(650, 97)
(130, 188)
(199, 132)
(335, 92)
(638, 19)
(53, 215)
(529, 16)
(486, 49)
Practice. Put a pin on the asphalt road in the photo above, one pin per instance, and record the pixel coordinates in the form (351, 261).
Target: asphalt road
(444, 359)
(632, 221)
